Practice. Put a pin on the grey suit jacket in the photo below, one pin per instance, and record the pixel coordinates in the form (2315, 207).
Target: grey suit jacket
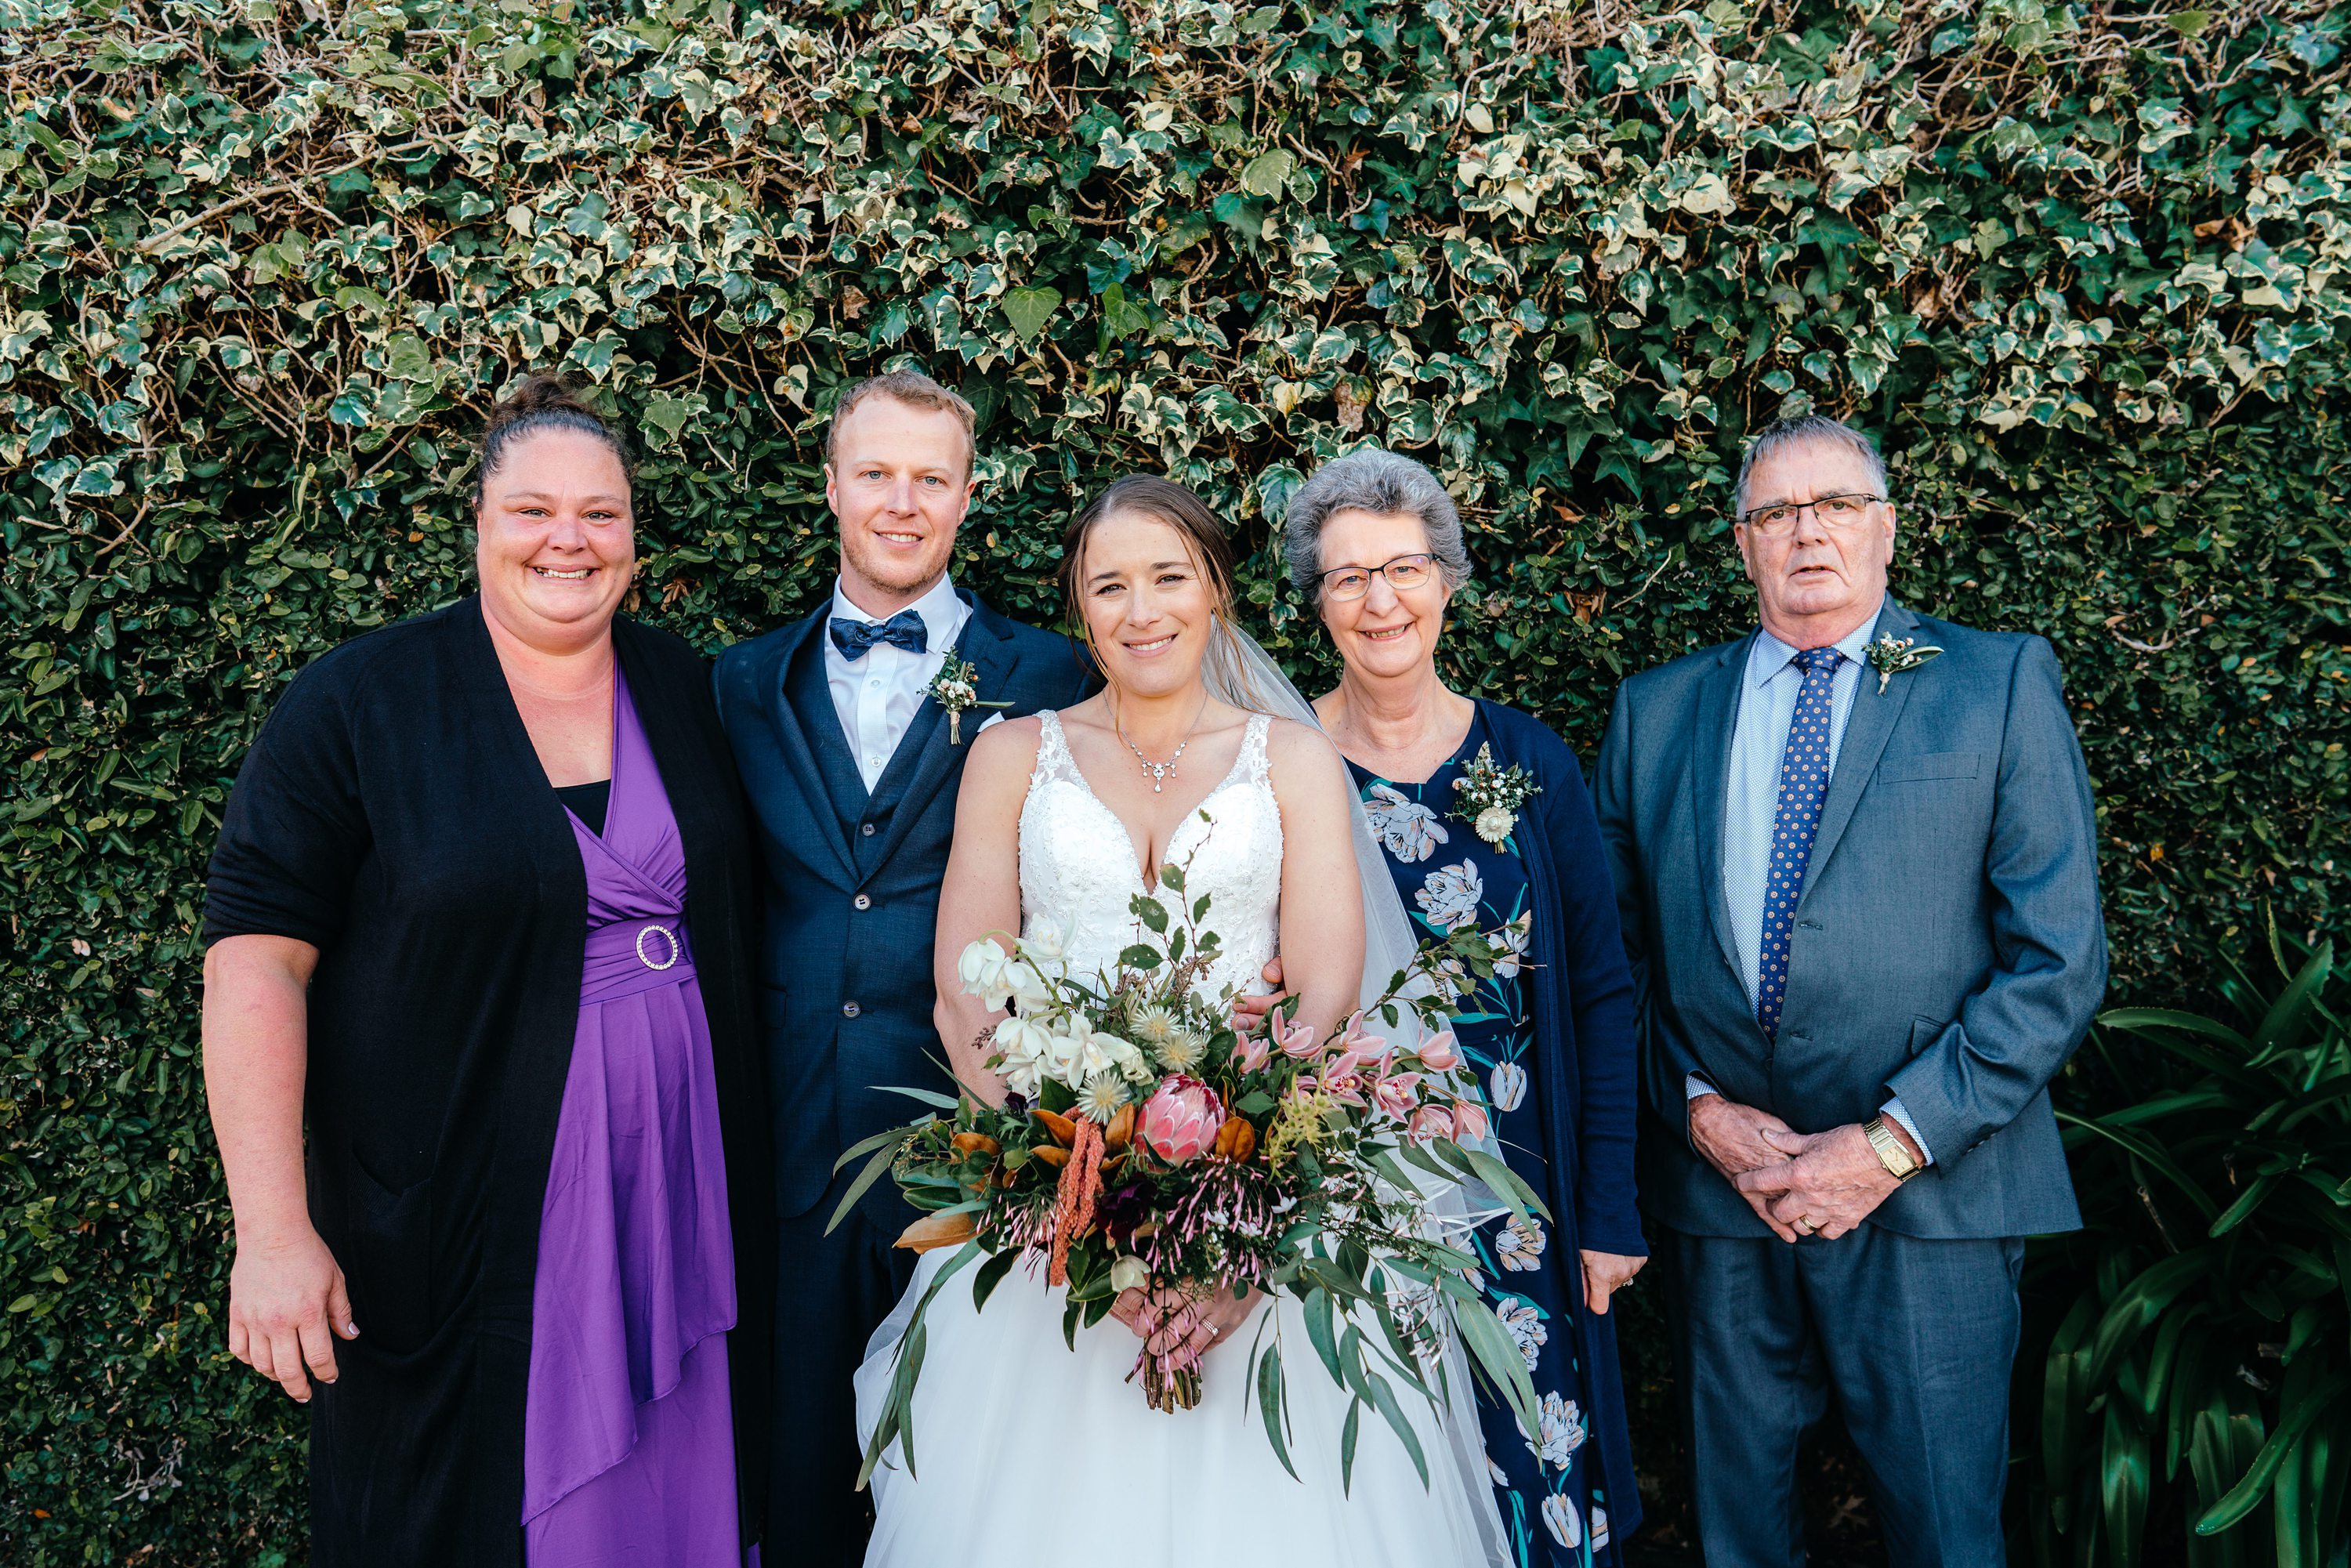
(1948, 945)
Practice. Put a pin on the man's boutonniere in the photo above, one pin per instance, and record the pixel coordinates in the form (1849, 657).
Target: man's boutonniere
(1890, 655)
(955, 688)
(1491, 795)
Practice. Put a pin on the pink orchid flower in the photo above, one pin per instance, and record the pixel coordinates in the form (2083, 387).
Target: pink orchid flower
(1429, 1123)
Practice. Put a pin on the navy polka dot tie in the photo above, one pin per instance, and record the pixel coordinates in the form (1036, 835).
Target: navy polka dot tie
(1804, 785)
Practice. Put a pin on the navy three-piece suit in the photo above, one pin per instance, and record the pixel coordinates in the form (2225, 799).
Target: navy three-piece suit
(850, 885)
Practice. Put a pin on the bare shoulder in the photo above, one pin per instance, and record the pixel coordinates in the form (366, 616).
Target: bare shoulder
(1302, 759)
(1004, 755)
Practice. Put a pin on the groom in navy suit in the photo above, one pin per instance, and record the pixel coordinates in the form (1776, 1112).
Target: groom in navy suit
(852, 771)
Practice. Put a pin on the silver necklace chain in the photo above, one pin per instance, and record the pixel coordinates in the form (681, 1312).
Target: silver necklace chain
(1159, 772)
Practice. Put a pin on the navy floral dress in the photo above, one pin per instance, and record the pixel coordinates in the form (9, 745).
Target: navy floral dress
(1553, 1509)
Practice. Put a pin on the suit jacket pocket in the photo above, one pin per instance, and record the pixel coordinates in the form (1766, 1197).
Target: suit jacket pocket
(387, 1259)
(1929, 765)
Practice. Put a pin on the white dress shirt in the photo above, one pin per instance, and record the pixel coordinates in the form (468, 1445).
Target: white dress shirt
(876, 697)
(1767, 707)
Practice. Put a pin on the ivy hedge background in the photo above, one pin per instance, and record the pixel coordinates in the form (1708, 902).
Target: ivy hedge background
(264, 265)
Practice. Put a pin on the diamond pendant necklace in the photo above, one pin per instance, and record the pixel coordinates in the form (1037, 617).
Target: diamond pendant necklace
(1159, 772)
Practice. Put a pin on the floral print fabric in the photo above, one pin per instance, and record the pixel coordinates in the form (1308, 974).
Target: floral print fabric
(1451, 880)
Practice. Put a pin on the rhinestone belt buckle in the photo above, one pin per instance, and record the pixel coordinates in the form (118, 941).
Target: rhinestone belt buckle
(668, 936)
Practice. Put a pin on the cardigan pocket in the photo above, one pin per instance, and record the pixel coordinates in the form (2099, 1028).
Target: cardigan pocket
(388, 1259)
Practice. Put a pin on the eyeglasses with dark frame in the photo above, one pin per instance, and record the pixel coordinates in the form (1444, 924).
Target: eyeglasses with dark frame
(1847, 511)
(1403, 572)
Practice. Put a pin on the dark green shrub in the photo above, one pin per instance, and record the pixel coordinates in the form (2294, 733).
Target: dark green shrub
(2205, 1366)
(265, 263)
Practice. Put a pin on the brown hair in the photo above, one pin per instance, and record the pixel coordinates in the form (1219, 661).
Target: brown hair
(544, 401)
(1163, 500)
(914, 389)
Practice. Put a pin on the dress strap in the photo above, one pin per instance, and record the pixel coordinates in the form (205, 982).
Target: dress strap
(1253, 759)
(1053, 760)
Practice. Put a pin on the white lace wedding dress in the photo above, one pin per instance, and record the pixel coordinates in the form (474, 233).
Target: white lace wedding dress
(1028, 1452)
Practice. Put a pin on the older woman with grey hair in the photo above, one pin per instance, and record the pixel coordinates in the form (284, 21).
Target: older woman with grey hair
(1486, 825)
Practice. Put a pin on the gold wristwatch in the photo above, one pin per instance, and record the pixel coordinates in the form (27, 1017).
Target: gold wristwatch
(1891, 1152)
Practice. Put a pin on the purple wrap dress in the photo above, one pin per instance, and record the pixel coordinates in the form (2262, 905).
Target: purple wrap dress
(628, 1441)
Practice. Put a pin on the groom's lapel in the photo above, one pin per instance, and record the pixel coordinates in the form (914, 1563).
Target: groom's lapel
(925, 757)
(792, 739)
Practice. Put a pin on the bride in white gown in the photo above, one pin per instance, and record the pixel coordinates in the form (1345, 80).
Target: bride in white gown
(1025, 1451)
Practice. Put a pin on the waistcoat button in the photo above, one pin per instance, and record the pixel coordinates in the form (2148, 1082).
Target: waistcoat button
(848, 1009)
(867, 830)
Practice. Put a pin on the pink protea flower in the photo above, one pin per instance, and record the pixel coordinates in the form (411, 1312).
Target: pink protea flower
(1440, 1053)
(1181, 1119)
(1429, 1123)
(1470, 1120)
(1398, 1095)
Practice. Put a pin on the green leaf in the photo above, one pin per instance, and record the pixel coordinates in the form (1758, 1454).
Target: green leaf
(873, 1171)
(1266, 173)
(2300, 1408)
(1028, 309)
(1384, 1400)
(1139, 958)
(1497, 1354)
(1321, 1331)
(2137, 1305)
(1347, 1434)
(1270, 1405)
(932, 1097)
(867, 1146)
(991, 1274)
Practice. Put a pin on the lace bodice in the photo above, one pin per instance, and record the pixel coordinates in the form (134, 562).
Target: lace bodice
(1078, 866)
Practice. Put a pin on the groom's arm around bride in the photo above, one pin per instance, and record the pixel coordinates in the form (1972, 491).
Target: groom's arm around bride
(851, 768)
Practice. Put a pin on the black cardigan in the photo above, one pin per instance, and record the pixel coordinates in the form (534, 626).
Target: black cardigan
(394, 815)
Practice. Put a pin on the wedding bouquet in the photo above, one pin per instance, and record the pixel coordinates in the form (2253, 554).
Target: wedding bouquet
(1144, 1145)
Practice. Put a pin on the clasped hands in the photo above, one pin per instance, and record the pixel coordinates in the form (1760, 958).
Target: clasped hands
(1818, 1184)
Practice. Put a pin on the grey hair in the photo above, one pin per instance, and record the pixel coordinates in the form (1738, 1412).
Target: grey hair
(1797, 432)
(1371, 479)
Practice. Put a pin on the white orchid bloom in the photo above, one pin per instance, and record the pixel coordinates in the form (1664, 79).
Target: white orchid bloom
(981, 968)
(1047, 943)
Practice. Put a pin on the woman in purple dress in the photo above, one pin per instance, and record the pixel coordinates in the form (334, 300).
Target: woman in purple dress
(479, 921)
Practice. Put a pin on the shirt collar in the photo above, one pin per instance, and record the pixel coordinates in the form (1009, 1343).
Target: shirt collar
(1768, 656)
(942, 609)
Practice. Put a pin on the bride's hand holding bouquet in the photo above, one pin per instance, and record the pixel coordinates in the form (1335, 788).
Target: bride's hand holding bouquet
(1166, 1169)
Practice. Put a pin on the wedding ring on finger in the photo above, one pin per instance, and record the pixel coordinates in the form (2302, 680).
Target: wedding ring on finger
(1802, 1224)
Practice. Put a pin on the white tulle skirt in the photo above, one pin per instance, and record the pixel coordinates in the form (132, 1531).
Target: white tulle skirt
(1028, 1452)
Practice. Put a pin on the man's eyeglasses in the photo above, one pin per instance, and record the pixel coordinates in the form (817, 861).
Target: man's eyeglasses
(1405, 574)
(1833, 511)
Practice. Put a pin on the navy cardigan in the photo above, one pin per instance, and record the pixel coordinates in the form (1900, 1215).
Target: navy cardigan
(1582, 990)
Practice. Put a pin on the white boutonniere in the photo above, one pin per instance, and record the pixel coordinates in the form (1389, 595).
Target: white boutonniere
(1891, 655)
(1491, 795)
(956, 689)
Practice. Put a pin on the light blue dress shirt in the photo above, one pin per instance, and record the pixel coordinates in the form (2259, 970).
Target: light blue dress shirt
(1767, 705)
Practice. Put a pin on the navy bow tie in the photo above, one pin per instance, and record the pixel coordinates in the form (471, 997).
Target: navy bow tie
(904, 629)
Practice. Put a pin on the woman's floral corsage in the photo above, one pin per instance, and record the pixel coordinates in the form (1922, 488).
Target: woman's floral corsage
(1491, 795)
(956, 688)
(1891, 655)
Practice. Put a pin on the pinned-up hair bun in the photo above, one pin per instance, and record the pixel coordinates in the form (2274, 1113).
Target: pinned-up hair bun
(544, 401)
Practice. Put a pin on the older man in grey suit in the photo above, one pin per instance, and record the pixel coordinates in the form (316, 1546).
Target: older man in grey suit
(1855, 855)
